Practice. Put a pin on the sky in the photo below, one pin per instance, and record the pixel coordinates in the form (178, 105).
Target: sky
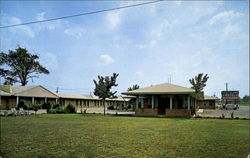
(146, 45)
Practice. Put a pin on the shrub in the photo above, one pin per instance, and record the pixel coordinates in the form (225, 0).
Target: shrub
(23, 105)
(59, 110)
(71, 108)
(52, 111)
(46, 106)
(35, 106)
(56, 106)
(111, 107)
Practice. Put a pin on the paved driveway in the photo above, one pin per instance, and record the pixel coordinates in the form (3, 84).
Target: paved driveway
(242, 112)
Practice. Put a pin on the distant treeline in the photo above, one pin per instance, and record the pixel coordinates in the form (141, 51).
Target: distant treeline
(245, 100)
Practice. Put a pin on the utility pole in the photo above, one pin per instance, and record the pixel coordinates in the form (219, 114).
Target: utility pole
(226, 89)
(227, 86)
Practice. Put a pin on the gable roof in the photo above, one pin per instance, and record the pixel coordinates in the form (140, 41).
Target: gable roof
(3, 93)
(78, 96)
(20, 89)
(33, 91)
(89, 97)
(164, 88)
(29, 91)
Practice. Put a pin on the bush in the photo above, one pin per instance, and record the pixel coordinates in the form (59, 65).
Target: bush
(71, 108)
(46, 106)
(23, 105)
(59, 110)
(111, 107)
(35, 106)
(56, 106)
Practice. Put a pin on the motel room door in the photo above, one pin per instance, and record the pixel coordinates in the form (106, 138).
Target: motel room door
(163, 104)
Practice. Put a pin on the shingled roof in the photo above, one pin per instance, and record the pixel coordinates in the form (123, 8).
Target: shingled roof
(78, 96)
(90, 97)
(28, 91)
(164, 88)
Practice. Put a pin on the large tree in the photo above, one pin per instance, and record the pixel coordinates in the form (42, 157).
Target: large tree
(199, 82)
(20, 66)
(134, 87)
(103, 87)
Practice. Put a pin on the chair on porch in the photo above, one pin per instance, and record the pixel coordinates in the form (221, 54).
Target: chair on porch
(13, 111)
(22, 112)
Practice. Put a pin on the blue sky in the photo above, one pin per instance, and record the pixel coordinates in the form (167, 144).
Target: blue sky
(145, 45)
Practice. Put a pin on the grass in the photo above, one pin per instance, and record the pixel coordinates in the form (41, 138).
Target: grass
(244, 104)
(89, 136)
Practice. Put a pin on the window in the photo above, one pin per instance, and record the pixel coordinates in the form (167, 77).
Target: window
(139, 104)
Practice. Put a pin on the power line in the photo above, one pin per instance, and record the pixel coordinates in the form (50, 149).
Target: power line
(82, 14)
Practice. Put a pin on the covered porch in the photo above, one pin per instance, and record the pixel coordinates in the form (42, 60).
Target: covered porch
(165, 104)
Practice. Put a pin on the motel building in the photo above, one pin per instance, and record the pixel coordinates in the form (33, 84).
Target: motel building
(164, 99)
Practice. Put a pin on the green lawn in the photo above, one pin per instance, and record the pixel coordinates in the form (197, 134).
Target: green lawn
(66, 135)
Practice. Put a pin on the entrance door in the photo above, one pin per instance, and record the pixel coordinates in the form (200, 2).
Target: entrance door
(163, 104)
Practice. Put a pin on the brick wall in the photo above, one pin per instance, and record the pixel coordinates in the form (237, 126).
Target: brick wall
(178, 112)
(146, 112)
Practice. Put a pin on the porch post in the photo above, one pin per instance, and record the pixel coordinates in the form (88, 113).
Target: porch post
(188, 102)
(45, 100)
(17, 100)
(33, 100)
(56, 100)
(171, 102)
(142, 103)
(153, 102)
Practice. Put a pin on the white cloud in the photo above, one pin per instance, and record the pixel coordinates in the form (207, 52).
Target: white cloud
(158, 32)
(113, 19)
(23, 29)
(49, 60)
(231, 29)
(76, 32)
(161, 29)
(106, 59)
(139, 74)
(225, 16)
(40, 17)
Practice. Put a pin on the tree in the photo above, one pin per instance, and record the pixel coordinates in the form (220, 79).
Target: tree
(245, 99)
(199, 82)
(134, 87)
(103, 87)
(21, 66)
